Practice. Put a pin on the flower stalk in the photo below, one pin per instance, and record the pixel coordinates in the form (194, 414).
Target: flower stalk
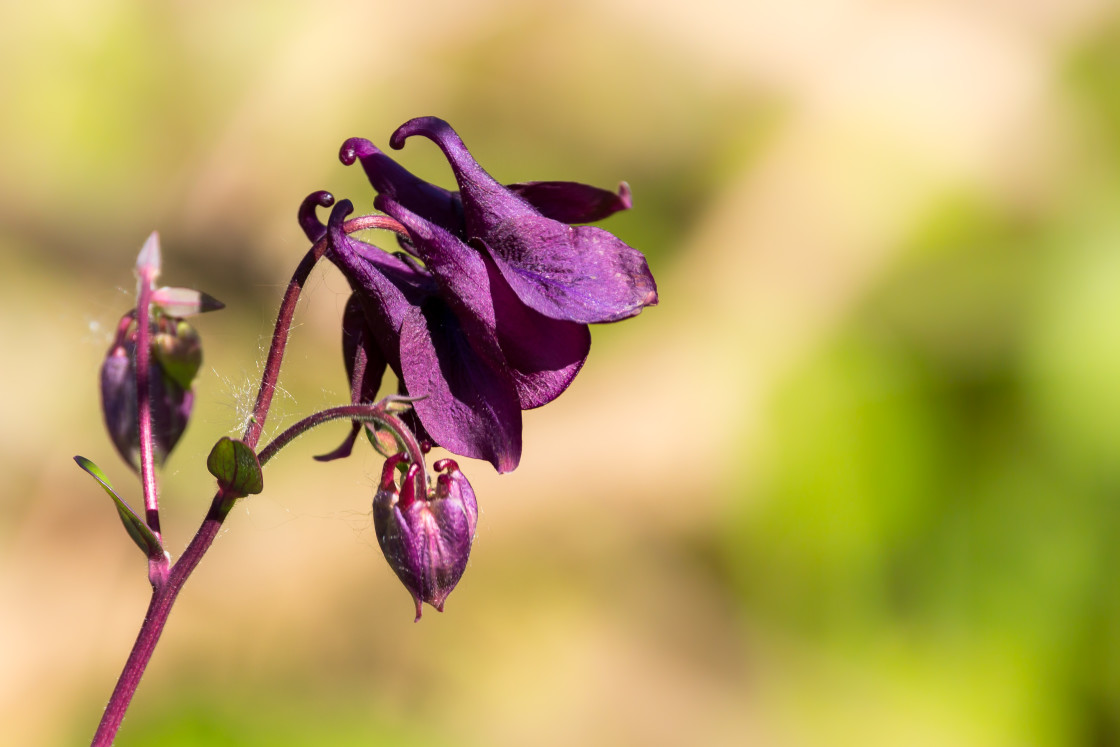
(271, 375)
(147, 268)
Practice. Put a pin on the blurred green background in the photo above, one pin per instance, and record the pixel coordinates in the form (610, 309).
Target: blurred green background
(854, 481)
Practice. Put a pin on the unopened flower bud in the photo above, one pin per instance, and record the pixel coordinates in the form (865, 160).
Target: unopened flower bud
(426, 538)
(175, 350)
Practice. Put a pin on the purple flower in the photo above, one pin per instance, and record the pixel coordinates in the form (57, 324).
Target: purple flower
(426, 538)
(494, 320)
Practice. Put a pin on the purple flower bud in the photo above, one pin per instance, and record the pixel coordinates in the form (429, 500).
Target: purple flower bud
(176, 357)
(426, 538)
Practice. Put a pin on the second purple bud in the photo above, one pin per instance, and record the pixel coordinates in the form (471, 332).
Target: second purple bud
(175, 360)
(425, 537)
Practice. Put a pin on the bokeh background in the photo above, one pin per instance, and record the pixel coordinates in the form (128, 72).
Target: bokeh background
(854, 481)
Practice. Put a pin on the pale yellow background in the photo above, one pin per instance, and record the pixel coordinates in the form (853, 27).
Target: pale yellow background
(853, 482)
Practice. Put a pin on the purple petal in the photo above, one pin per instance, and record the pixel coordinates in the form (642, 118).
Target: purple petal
(171, 405)
(469, 408)
(344, 449)
(450, 519)
(542, 355)
(365, 363)
(572, 202)
(485, 201)
(452, 485)
(365, 367)
(582, 274)
(386, 287)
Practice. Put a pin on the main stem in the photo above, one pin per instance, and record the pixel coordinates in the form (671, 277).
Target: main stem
(163, 597)
(164, 593)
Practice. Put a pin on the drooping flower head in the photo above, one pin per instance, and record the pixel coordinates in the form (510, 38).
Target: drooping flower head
(483, 314)
(489, 315)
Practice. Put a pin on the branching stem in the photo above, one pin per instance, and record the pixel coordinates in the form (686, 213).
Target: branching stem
(284, 321)
(167, 583)
(375, 413)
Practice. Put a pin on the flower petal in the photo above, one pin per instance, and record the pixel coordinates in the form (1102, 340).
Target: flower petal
(386, 286)
(469, 408)
(582, 274)
(568, 202)
(542, 355)
(572, 202)
(365, 363)
(312, 227)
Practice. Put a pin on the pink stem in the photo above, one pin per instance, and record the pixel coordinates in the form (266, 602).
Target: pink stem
(144, 400)
(163, 596)
(365, 413)
(284, 320)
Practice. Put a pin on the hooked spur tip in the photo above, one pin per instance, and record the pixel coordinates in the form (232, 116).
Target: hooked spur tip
(430, 127)
(449, 465)
(308, 221)
(355, 148)
(338, 214)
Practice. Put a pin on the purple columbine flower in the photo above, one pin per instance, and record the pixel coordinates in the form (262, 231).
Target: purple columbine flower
(425, 537)
(489, 314)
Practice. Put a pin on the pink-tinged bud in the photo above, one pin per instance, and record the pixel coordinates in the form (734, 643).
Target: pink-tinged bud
(426, 539)
(175, 352)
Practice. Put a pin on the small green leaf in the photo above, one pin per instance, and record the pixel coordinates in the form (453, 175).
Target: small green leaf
(236, 467)
(136, 527)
